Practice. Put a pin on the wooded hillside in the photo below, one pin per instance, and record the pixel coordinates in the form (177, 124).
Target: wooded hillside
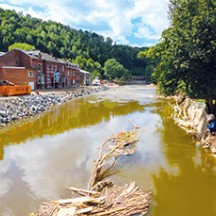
(83, 47)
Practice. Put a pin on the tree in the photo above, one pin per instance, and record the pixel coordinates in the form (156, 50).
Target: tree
(22, 46)
(188, 50)
(80, 61)
(113, 69)
(95, 73)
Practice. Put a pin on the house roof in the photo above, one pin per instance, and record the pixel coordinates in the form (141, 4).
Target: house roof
(72, 65)
(2, 53)
(44, 56)
(86, 72)
(47, 57)
(33, 52)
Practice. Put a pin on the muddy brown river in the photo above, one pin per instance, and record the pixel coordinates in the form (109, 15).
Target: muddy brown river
(42, 155)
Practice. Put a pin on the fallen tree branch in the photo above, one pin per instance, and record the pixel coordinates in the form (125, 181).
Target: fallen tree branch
(102, 197)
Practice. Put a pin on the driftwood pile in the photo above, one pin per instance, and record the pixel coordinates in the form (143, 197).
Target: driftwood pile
(121, 201)
(103, 197)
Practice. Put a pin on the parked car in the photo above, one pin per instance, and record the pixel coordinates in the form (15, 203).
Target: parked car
(96, 82)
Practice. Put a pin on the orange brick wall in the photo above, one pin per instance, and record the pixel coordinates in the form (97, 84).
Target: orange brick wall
(18, 76)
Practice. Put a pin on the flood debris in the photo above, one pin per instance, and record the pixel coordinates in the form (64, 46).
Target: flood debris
(125, 142)
(193, 118)
(103, 197)
(122, 201)
(117, 145)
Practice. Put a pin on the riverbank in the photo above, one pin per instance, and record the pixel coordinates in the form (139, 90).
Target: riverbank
(39, 156)
(192, 117)
(20, 107)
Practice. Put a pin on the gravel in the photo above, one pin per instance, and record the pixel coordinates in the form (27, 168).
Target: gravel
(16, 108)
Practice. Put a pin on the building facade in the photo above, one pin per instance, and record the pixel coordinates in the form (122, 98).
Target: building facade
(86, 77)
(15, 66)
(39, 70)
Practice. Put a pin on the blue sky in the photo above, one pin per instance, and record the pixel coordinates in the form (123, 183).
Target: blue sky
(131, 22)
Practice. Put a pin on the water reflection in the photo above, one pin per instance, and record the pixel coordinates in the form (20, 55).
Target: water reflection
(151, 154)
(57, 149)
(45, 154)
(5, 182)
(183, 194)
(76, 114)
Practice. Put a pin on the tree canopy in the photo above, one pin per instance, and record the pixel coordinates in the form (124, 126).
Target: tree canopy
(186, 55)
(22, 46)
(113, 69)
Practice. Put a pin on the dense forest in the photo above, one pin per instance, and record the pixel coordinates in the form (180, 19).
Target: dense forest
(88, 49)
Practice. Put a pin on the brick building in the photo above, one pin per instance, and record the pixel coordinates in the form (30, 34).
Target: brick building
(38, 69)
(15, 66)
(54, 72)
(86, 77)
(73, 74)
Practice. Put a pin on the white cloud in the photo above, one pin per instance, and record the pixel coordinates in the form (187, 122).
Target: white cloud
(9, 7)
(146, 32)
(123, 20)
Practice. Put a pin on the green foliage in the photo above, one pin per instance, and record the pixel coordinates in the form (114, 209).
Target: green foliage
(82, 62)
(89, 65)
(67, 43)
(152, 56)
(187, 50)
(113, 69)
(149, 70)
(22, 46)
(95, 73)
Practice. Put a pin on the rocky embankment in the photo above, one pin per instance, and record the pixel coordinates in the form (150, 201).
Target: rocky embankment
(192, 117)
(15, 108)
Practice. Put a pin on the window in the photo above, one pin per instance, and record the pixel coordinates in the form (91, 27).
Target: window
(39, 67)
(30, 74)
(48, 66)
(62, 67)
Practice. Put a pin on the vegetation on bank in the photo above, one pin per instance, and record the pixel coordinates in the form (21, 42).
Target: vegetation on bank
(88, 49)
(185, 58)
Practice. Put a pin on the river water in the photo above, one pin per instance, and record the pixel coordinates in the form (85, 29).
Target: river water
(40, 156)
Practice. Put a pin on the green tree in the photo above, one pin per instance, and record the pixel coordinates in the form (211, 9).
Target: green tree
(113, 69)
(95, 73)
(22, 46)
(188, 49)
(82, 62)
